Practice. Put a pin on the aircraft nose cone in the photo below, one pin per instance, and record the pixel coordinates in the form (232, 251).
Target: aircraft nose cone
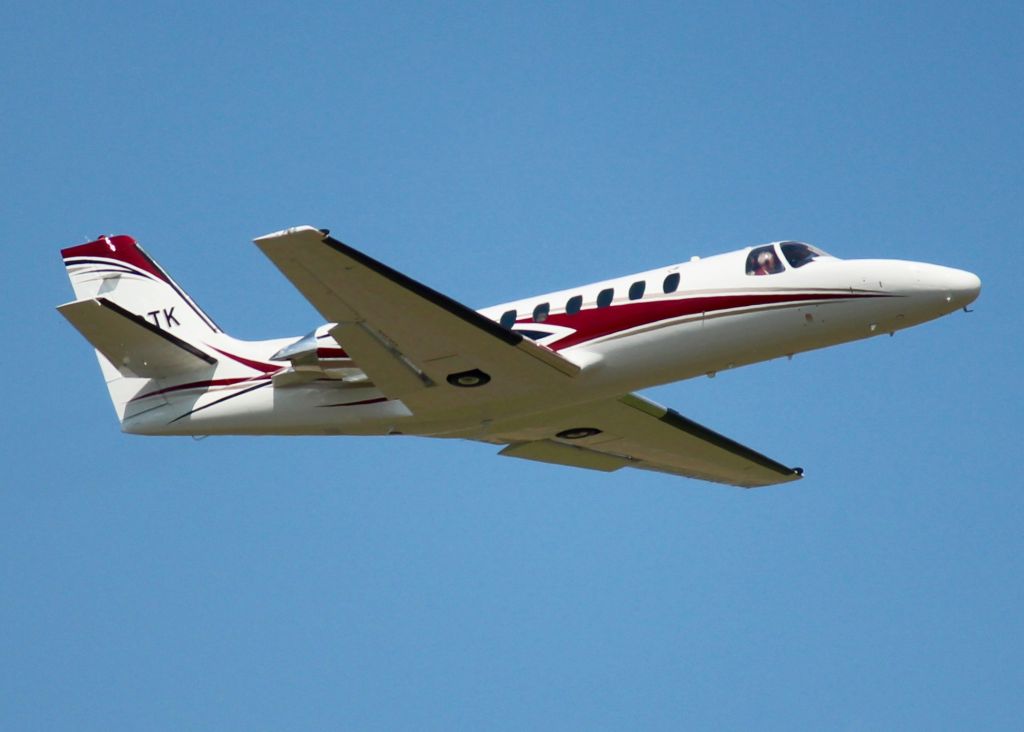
(962, 287)
(955, 288)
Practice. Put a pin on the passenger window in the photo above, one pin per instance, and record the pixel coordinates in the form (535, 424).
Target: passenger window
(604, 297)
(508, 319)
(636, 290)
(671, 283)
(763, 261)
(540, 313)
(574, 304)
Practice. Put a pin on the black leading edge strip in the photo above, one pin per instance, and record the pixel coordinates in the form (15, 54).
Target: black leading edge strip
(443, 301)
(184, 345)
(678, 421)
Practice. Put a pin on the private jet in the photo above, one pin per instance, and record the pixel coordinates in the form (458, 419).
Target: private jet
(551, 378)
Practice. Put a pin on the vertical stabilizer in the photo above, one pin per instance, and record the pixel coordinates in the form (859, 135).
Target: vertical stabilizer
(146, 330)
(118, 270)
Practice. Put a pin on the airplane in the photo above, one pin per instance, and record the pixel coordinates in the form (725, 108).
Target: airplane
(550, 378)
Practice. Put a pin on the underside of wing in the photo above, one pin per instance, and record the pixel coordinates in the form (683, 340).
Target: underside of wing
(633, 432)
(413, 342)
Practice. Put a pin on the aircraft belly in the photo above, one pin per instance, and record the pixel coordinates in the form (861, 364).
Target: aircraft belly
(258, 408)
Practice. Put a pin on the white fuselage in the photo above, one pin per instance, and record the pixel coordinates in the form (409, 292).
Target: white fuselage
(716, 316)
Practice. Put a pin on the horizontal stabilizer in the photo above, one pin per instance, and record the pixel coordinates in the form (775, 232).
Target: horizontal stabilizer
(133, 345)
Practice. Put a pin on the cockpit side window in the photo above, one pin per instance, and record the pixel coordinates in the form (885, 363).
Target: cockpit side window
(798, 254)
(763, 261)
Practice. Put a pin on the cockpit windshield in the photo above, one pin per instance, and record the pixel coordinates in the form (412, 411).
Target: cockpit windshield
(765, 260)
(798, 254)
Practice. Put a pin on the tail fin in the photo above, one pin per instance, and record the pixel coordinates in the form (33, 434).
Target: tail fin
(116, 268)
(141, 323)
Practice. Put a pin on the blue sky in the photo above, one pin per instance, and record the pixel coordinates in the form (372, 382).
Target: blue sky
(494, 151)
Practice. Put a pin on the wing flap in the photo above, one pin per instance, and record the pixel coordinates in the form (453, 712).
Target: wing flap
(549, 451)
(382, 359)
(134, 346)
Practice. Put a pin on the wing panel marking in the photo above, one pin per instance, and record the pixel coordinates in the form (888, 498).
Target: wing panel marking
(548, 451)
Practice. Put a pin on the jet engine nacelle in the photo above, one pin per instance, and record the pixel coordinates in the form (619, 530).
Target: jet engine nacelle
(314, 357)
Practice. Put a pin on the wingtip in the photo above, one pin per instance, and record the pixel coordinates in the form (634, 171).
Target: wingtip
(293, 232)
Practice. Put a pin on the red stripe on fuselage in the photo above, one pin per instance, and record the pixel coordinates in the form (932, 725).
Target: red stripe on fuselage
(267, 368)
(594, 323)
(331, 353)
(202, 385)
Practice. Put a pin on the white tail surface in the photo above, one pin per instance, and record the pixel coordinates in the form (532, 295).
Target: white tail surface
(144, 327)
(117, 269)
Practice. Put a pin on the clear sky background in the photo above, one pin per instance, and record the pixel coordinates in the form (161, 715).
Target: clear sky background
(495, 151)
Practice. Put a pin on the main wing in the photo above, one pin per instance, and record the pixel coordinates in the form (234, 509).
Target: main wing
(430, 351)
(413, 342)
(631, 431)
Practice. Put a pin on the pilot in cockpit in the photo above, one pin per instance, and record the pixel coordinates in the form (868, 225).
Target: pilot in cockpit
(763, 262)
